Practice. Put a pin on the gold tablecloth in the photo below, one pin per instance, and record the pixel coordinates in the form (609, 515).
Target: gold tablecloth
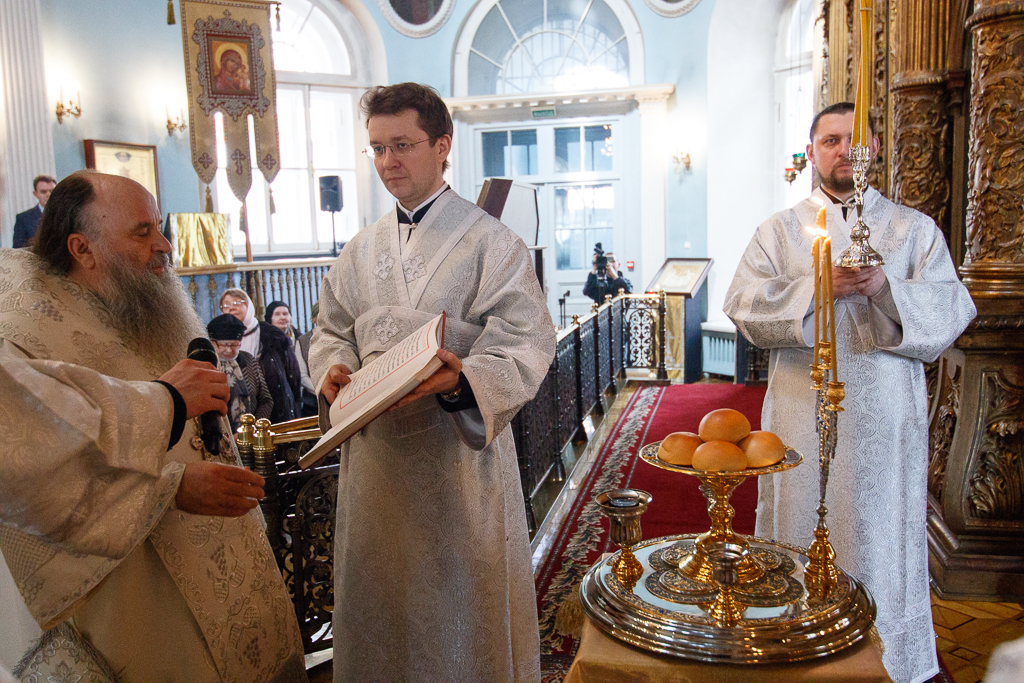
(604, 659)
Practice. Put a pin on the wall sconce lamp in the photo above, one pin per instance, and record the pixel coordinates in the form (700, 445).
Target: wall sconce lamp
(790, 175)
(681, 160)
(69, 109)
(178, 123)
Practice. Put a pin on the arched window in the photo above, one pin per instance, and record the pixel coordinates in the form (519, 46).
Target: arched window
(317, 97)
(538, 46)
(794, 93)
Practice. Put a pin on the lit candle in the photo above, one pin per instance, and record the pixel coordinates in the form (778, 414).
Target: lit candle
(831, 307)
(816, 255)
(861, 129)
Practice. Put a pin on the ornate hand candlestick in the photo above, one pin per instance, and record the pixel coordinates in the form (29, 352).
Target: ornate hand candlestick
(820, 575)
(623, 507)
(860, 253)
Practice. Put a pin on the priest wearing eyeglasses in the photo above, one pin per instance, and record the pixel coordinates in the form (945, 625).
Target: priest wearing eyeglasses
(432, 566)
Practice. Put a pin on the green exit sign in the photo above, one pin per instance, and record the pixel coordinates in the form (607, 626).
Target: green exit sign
(544, 113)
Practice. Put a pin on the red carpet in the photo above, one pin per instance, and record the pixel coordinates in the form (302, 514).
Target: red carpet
(677, 506)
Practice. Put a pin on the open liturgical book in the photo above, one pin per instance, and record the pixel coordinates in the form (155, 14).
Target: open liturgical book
(379, 385)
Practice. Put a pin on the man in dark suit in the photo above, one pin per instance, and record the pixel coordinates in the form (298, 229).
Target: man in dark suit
(27, 222)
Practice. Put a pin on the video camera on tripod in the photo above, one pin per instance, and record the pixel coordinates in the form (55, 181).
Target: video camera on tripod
(601, 261)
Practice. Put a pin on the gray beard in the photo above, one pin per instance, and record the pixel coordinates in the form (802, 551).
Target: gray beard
(153, 312)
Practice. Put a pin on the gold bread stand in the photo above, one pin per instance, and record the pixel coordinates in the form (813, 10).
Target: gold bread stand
(720, 596)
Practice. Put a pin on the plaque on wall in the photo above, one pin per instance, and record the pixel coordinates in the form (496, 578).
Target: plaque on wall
(681, 276)
(137, 162)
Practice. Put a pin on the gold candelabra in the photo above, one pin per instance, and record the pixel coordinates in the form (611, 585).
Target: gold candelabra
(860, 253)
(821, 575)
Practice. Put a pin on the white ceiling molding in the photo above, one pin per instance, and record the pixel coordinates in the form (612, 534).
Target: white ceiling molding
(433, 25)
(670, 8)
(509, 107)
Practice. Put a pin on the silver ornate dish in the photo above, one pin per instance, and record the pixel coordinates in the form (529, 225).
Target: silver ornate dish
(776, 620)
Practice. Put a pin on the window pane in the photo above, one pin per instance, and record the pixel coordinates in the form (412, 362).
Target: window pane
(570, 251)
(255, 209)
(567, 150)
(494, 144)
(345, 221)
(600, 201)
(291, 126)
(598, 148)
(524, 152)
(292, 223)
(308, 41)
(331, 124)
(569, 206)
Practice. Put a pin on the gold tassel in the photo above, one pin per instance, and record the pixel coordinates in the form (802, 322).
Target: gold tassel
(569, 618)
(170, 13)
(209, 200)
(273, 209)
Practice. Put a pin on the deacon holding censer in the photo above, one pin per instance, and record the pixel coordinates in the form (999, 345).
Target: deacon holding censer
(885, 322)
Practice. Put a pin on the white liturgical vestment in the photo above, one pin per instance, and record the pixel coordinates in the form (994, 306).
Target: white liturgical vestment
(877, 489)
(433, 580)
(90, 535)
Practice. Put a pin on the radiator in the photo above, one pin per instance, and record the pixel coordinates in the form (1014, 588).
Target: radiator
(719, 346)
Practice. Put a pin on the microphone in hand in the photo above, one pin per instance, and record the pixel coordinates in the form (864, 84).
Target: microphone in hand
(201, 349)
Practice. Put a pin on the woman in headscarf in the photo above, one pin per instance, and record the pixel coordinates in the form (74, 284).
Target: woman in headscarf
(279, 315)
(249, 392)
(274, 352)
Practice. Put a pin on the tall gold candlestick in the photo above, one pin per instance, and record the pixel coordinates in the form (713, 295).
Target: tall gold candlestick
(830, 305)
(816, 255)
(861, 128)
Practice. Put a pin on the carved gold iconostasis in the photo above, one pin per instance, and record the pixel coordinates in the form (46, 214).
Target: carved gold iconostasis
(949, 108)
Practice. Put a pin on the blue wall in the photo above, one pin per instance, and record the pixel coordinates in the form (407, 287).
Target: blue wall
(129, 64)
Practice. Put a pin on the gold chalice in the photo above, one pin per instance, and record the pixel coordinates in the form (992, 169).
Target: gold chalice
(717, 488)
(623, 507)
(726, 559)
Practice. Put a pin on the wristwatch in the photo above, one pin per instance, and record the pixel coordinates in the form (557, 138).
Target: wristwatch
(453, 395)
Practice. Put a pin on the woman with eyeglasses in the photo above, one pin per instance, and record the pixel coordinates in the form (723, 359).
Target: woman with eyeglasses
(273, 350)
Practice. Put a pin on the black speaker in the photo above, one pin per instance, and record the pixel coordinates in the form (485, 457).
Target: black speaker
(330, 193)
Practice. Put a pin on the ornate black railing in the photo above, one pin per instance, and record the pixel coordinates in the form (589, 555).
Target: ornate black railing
(591, 357)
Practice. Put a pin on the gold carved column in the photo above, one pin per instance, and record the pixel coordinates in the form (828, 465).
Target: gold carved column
(976, 466)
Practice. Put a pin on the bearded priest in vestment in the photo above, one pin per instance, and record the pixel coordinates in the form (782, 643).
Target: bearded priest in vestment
(157, 592)
(890, 319)
(432, 567)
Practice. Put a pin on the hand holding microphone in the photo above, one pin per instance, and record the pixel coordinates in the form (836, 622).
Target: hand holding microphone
(201, 350)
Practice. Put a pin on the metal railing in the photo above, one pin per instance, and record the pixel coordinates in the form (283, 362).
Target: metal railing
(591, 358)
(293, 281)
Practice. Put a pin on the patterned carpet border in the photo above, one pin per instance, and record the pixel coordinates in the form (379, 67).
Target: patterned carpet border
(579, 545)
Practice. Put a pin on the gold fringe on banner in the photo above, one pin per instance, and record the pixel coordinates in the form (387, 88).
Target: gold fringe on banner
(273, 209)
(243, 225)
(209, 200)
(170, 13)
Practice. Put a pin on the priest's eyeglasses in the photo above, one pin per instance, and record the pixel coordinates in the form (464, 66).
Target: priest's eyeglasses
(398, 149)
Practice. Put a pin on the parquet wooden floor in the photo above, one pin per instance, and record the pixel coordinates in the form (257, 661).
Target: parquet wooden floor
(968, 632)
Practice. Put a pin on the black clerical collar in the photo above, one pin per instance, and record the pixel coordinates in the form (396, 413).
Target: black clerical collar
(845, 206)
(417, 216)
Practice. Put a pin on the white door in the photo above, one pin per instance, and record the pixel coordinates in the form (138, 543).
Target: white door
(580, 194)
